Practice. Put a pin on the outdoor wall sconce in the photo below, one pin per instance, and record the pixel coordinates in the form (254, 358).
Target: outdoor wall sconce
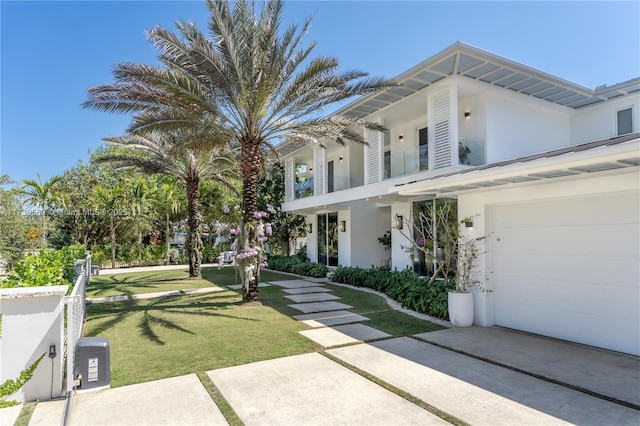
(309, 228)
(399, 221)
(468, 223)
(310, 169)
(343, 226)
(467, 114)
(341, 158)
(401, 138)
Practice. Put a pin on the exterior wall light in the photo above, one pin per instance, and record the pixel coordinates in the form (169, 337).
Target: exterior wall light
(309, 228)
(343, 226)
(468, 223)
(399, 221)
(401, 138)
(341, 158)
(467, 114)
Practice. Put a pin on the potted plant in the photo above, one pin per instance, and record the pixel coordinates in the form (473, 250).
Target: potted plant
(461, 300)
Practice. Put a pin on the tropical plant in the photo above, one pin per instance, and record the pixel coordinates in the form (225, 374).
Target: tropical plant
(41, 197)
(13, 224)
(167, 154)
(169, 203)
(250, 84)
(10, 386)
(112, 202)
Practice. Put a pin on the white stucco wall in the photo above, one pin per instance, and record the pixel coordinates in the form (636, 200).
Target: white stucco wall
(32, 320)
(367, 223)
(400, 259)
(474, 126)
(518, 127)
(312, 238)
(599, 121)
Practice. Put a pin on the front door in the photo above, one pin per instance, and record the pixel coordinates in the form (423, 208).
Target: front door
(328, 239)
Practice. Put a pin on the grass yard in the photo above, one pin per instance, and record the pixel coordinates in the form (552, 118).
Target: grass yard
(171, 336)
(151, 282)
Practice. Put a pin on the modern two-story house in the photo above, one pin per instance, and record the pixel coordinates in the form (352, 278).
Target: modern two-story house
(547, 168)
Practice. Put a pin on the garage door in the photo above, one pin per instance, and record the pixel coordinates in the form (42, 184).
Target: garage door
(570, 269)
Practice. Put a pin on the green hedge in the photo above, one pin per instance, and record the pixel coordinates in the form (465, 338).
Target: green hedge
(404, 287)
(48, 267)
(295, 265)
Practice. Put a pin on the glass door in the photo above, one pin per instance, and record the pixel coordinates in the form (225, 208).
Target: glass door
(328, 239)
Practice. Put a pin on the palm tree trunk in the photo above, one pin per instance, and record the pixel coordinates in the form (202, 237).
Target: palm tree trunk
(113, 245)
(166, 236)
(251, 161)
(194, 243)
(139, 247)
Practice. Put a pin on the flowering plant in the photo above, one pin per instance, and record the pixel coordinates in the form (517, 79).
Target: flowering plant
(246, 253)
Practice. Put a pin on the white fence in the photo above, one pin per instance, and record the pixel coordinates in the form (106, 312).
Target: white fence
(76, 315)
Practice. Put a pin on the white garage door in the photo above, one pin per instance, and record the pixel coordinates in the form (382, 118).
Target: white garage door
(570, 269)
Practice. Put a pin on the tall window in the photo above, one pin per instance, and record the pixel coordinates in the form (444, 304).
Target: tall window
(423, 138)
(624, 121)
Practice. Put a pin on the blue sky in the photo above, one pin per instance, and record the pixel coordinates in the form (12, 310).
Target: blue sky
(53, 51)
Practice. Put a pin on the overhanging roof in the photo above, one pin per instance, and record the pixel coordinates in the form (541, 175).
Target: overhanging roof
(477, 64)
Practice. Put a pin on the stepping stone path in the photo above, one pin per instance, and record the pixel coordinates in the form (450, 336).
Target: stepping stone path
(332, 324)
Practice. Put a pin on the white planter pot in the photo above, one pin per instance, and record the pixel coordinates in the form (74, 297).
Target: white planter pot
(461, 309)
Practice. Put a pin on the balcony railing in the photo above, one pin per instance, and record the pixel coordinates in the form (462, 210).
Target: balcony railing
(304, 189)
(402, 163)
(471, 152)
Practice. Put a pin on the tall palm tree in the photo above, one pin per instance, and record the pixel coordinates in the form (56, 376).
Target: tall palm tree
(252, 82)
(41, 196)
(166, 155)
(111, 200)
(169, 203)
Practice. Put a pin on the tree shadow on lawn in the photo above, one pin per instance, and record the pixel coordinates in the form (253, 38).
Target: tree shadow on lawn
(122, 285)
(201, 306)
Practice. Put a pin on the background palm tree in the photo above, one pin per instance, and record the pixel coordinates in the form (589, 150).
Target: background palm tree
(169, 204)
(111, 201)
(166, 154)
(42, 197)
(251, 82)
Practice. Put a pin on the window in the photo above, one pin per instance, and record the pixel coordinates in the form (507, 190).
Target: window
(423, 138)
(624, 121)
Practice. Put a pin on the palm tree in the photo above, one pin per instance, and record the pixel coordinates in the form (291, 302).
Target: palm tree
(165, 154)
(169, 203)
(41, 196)
(252, 82)
(111, 200)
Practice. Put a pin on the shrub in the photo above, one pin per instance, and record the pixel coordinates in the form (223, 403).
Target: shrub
(295, 265)
(48, 267)
(404, 286)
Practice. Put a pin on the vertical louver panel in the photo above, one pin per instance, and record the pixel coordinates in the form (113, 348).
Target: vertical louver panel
(442, 129)
(289, 180)
(319, 171)
(373, 156)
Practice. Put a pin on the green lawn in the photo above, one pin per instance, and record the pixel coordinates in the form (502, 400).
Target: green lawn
(171, 336)
(151, 282)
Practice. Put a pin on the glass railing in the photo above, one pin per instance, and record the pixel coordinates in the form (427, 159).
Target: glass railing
(403, 163)
(471, 152)
(339, 183)
(304, 189)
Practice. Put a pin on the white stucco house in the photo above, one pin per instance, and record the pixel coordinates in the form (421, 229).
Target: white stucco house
(548, 168)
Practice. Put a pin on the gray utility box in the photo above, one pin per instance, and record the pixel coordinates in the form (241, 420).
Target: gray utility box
(92, 362)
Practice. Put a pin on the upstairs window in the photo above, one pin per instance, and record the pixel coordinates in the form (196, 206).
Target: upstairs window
(624, 121)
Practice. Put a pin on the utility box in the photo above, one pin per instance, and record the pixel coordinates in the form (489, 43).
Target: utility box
(92, 363)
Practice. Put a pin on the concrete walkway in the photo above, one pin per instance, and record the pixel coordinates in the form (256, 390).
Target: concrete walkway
(530, 380)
